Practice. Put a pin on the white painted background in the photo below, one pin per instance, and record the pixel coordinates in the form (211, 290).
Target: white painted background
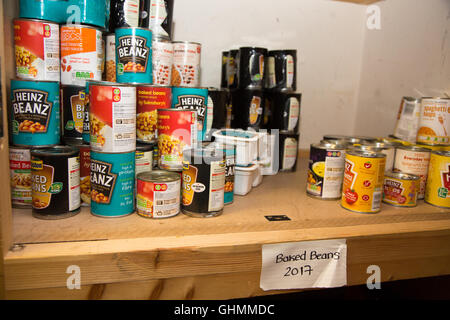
(351, 78)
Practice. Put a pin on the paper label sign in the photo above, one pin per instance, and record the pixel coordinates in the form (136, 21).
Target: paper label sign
(306, 264)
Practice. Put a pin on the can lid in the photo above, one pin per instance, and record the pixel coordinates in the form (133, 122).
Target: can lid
(366, 154)
(401, 175)
(444, 153)
(158, 176)
(414, 148)
(435, 98)
(330, 144)
(412, 99)
(134, 28)
(187, 42)
(364, 147)
(54, 151)
(78, 143)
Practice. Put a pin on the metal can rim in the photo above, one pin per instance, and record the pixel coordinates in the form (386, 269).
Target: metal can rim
(80, 26)
(36, 20)
(324, 144)
(445, 153)
(67, 151)
(187, 42)
(158, 176)
(414, 148)
(401, 175)
(366, 154)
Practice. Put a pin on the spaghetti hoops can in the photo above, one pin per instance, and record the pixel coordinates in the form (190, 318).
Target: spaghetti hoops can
(434, 122)
(162, 59)
(186, 64)
(400, 189)
(438, 181)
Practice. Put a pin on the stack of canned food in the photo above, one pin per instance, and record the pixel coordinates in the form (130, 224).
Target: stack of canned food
(363, 172)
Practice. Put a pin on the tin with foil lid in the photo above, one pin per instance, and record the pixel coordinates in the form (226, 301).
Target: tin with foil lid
(73, 100)
(186, 64)
(248, 108)
(55, 176)
(20, 177)
(288, 151)
(251, 67)
(284, 111)
(158, 194)
(438, 181)
(408, 119)
(162, 59)
(157, 16)
(400, 189)
(281, 70)
(434, 121)
(144, 157)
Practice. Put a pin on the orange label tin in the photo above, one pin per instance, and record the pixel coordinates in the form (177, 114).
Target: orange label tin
(400, 189)
(434, 122)
(438, 182)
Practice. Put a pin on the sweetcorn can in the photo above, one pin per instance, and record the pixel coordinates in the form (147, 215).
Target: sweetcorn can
(438, 182)
(400, 189)
(362, 188)
(434, 122)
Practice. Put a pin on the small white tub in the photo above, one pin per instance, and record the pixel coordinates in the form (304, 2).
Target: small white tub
(244, 178)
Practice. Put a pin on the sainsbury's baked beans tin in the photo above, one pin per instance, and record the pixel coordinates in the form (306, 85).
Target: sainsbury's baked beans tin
(150, 98)
(438, 181)
(434, 121)
(112, 112)
(162, 59)
(72, 98)
(281, 70)
(408, 119)
(362, 188)
(55, 176)
(82, 54)
(35, 114)
(400, 189)
(20, 177)
(144, 157)
(36, 46)
(110, 57)
(186, 64)
(177, 131)
(413, 160)
(134, 55)
(112, 184)
(158, 194)
(251, 67)
(248, 108)
(157, 16)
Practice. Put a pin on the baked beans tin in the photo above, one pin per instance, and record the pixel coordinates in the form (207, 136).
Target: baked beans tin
(81, 54)
(157, 16)
(86, 125)
(150, 98)
(72, 98)
(162, 59)
(36, 46)
(85, 173)
(35, 113)
(288, 151)
(438, 181)
(187, 98)
(282, 70)
(177, 131)
(203, 183)
(285, 111)
(434, 121)
(186, 64)
(251, 67)
(20, 175)
(326, 170)
(134, 55)
(110, 57)
(50, 10)
(158, 194)
(112, 184)
(112, 117)
(55, 176)
(413, 160)
(248, 108)
(362, 188)
(408, 119)
(223, 72)
(144, 158)
(400, 189)
(124, 13)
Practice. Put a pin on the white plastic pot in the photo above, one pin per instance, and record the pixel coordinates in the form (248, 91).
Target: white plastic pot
(244, 178)
(246, 143)
(258, 177)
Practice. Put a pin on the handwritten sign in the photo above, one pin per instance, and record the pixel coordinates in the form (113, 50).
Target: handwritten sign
(306, 264)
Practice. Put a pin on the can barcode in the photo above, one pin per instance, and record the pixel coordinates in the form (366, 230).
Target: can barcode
(376, 203)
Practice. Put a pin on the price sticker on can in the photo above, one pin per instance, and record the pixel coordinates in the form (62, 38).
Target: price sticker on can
(301, 265)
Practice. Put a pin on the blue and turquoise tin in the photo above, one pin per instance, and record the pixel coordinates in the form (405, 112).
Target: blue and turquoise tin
(134, 55)
(49, 10)
(35, 113)
(112, 184)
(187, 98)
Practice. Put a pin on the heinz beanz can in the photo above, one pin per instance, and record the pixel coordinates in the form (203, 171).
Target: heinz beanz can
(134, 55)
(400, 189)
(438, 181)
(112, 184)
(35, 113)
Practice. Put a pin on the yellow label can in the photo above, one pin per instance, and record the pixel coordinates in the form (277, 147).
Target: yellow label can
(362, 188)
(437, 191)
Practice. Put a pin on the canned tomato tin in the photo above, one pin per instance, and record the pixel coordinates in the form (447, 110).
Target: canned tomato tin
(186, 64)
(282, 70)
(325, 170)
(124, 13)
(112, 117)
(186, 98)
(413, 160)
(150, 98)
(112, 184)
(162, 59)
(248, 108)
(144, 158)
(110, 57)
(434, 121)
(35, 113)
(362, 188)
(157, 16)
(72, 98)
(36, 46)
(251, 67)
(288, 151)
(177, 131)
(81, 54)
(158, 194)
(55, 176)
(20, 175)
(134, 55)
(203, 181)
(85, 173)
(408, 119)
(285, 110)
(400, 189)
(438, 181)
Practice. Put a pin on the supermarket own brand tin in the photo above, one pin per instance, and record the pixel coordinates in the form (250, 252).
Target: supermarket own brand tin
(85, 173)
(438, 182)
(326, 170)
(413, 160)
(177, 131)
(112, 184)
(72, 102)
(248, 108)
(281, 70)
(434, 122)
(110, 57)
(400, 189)
(112, 117)
(288, 151)
(55, 175)
(150, 98)
(158, 194)
(134, 55)
(251, 67)
(81, 54)
(36, 46)
(86, 125)
(157, 16)
(35, 113)
(144, 158)
(20, 176)
(230, 163)
(408, 119)
(186, 64)
(362, 188)
(203, 183)
(162, 59)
